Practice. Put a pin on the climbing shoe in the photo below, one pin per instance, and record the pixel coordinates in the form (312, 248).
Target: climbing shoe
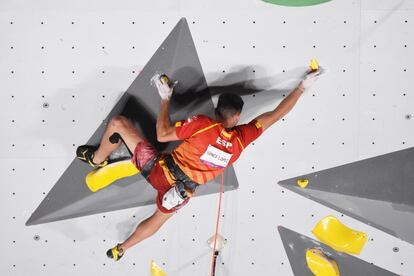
(115, 253)
(85, 153)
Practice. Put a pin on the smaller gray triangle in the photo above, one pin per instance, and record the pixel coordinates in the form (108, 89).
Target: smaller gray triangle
(296, 246)
(388, 177)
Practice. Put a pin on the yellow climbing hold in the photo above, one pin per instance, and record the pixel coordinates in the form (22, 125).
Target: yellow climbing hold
(314, 65)
(338, 236)
(102, 177)
(303, 183)
(320, 264)
(165, 79)
(156, 270)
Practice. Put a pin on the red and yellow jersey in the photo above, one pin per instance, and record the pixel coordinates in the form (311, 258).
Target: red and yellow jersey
(207, 147)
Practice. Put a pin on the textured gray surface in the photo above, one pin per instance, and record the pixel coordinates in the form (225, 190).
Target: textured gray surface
(177, 57)
(378, 191)
(296, 245)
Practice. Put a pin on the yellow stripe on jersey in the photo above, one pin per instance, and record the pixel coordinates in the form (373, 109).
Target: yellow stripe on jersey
(241, 144)
(226, 134)
(204, 129)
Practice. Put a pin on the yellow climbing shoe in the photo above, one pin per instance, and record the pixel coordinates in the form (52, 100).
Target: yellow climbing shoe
(86, 153)
(115, 253)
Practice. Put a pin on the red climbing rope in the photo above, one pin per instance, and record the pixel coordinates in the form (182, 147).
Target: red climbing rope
(217, 224)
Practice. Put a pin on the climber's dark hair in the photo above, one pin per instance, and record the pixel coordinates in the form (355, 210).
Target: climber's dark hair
(229, 104)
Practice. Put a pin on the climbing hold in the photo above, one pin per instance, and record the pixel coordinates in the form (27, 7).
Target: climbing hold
(320, 264)
(220, 242)
(338, 236)
(165, 79)
(303, 183)
(156, 270)
(114, 138)
(314, 65)
(102, 177)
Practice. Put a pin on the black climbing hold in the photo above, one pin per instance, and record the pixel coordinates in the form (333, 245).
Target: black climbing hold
(114, 138)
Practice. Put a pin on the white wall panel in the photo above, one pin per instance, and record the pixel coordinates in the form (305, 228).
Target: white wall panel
(91, 52)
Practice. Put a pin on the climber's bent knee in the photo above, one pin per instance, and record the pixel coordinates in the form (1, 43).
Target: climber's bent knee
(126, 130)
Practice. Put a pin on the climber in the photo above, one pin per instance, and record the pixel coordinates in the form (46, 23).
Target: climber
(209, 146)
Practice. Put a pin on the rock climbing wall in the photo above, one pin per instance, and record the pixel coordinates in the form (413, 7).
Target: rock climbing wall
(64, 66)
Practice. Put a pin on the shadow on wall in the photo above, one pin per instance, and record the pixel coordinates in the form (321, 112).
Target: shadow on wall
(266, 91)
(259, 94)
(190, 98)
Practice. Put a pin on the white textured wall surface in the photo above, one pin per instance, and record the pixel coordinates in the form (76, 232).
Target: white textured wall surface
(64, 65)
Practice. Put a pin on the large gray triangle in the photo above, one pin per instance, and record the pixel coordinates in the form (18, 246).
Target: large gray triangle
(177, 57)
(296, 245)
(378, 191)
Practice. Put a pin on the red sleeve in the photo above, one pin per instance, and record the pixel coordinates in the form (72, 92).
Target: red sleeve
(186, 128)
(249, 132)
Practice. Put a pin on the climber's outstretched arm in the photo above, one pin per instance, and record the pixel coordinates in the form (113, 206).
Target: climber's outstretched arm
(165, 129)
(269, 118)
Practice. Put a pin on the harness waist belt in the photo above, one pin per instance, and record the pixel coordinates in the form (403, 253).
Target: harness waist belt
(179, 175)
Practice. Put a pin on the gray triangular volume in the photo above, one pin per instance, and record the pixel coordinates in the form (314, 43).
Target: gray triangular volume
(296, 245)
(176, 57)
(378, 191)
